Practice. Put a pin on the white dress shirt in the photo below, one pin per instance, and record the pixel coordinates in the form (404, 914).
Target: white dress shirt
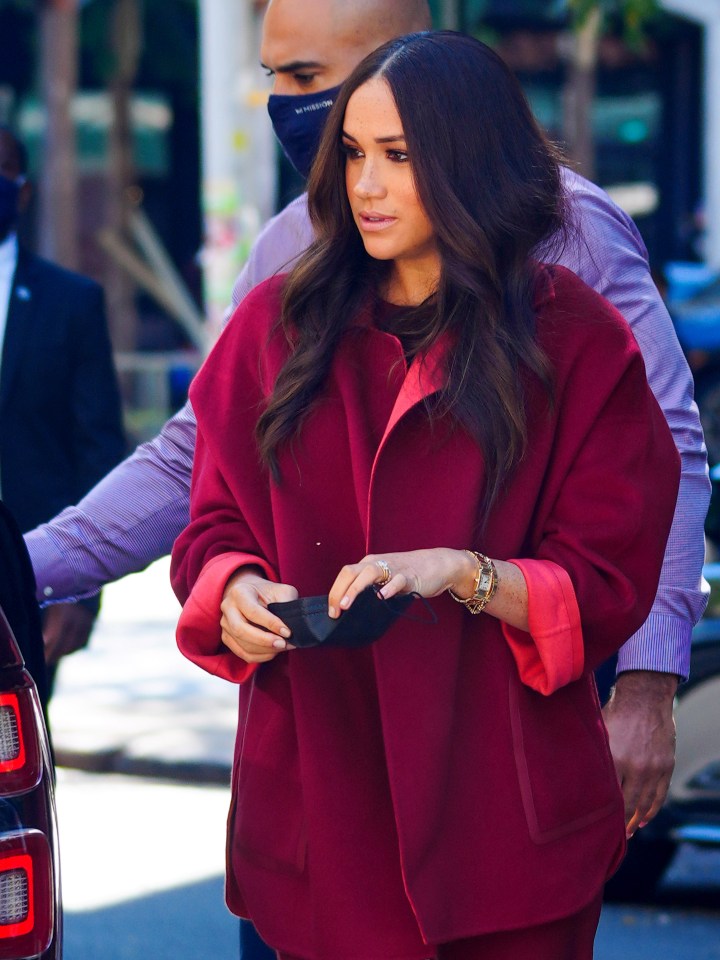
(8, 263)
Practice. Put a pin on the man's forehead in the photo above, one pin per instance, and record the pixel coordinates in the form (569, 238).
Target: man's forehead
(316, 32)
(288, 49)
(328, 31)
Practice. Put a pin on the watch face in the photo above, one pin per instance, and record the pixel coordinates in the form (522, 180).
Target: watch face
(484, 582)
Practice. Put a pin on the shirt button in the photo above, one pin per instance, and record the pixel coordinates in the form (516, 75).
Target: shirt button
(48, 591)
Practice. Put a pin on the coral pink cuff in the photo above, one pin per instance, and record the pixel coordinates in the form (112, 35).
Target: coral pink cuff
(198, 630)
(550, 654)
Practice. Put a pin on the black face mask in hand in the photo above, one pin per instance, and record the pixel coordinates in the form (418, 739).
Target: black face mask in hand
(366, 620)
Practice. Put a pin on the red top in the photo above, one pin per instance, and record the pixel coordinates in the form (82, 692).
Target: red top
(426, 788)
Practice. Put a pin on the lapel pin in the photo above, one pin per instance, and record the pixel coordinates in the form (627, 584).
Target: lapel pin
(22, 293)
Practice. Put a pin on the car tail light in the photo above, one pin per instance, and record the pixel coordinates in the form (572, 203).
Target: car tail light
(26, 898)
(20, 754)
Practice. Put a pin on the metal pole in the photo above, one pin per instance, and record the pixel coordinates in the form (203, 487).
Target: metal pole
(57, 181)
(712, 141)
(451, 14)
(238, 160)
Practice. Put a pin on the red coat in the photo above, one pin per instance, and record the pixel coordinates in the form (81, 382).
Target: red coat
(418, 789)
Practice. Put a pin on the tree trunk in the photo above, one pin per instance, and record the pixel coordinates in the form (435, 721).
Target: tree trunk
(579, 94)
(57, 215)
(125, 42)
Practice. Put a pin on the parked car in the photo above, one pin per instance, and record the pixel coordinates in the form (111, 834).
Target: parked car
(691, 813)
(30, 906)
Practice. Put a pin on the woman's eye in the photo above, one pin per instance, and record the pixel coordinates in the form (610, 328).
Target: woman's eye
(397, 156)
(352, 153)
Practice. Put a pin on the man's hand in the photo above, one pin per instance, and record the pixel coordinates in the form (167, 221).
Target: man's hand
(66, 628)
(640, 724)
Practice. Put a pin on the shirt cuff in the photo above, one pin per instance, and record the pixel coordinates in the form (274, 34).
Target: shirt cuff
(52, 585)
(662, 645)
(198, 630)
(550, 653)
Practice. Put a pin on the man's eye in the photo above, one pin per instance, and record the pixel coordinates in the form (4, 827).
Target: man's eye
(304, 79)
(268, 72)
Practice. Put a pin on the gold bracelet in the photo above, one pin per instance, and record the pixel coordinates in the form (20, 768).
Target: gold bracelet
(484, 587)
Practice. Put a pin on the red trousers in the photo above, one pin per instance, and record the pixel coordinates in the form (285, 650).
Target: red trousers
(570, 938)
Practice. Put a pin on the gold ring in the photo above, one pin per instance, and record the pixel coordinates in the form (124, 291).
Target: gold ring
(386, 573)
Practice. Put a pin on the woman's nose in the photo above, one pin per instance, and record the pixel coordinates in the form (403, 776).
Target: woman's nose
(369, 184)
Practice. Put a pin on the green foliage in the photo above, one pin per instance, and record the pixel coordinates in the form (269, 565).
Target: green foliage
(486, 34)
(635, 15)
(168, 56)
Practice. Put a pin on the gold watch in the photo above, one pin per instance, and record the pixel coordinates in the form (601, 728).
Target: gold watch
(485, 586)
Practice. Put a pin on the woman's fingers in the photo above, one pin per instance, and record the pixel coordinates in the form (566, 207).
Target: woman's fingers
(352, 580)
(398, 583)
(243, 613)
(251, 643)
(249, 655)
(427, 572)
(248, 628)
(356, 577)
(247, 599)
(244, 630)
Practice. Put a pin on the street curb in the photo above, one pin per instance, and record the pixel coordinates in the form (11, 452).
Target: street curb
(116, 761)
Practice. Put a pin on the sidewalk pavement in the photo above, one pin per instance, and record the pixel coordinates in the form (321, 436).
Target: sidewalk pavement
(130, 703)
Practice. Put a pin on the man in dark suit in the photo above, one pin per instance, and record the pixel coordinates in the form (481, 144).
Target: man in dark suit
(60, 413)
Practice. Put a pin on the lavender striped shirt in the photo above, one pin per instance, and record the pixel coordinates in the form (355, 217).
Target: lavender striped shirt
(133, 516)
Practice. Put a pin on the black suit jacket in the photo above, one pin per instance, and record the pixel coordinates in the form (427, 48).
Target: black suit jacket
(60, 413)
(17, 600)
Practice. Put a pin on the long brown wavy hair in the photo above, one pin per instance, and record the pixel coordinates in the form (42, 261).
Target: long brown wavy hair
(489, 182)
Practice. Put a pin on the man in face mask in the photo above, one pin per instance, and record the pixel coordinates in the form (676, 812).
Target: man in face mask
(132, 518)
(60, 415)
(14, 190)
(305, 86)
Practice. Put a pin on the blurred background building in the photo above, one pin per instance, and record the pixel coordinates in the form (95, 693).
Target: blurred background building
(150, 142)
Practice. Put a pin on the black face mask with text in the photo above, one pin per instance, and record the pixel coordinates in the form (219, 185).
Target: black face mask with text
(298, 123)
(9, 194)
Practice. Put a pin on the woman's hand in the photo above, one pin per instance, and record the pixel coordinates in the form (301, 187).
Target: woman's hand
(426, 572)
(249, 630)
(429, 573)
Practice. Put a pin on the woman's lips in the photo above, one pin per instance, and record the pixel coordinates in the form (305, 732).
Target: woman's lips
(372, 221)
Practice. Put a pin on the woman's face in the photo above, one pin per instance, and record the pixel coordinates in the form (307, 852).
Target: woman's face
(380, 186)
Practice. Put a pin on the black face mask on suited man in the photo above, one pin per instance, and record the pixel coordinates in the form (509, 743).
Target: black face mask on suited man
(9, 195)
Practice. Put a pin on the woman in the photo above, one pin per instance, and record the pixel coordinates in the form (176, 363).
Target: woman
(419, 390)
